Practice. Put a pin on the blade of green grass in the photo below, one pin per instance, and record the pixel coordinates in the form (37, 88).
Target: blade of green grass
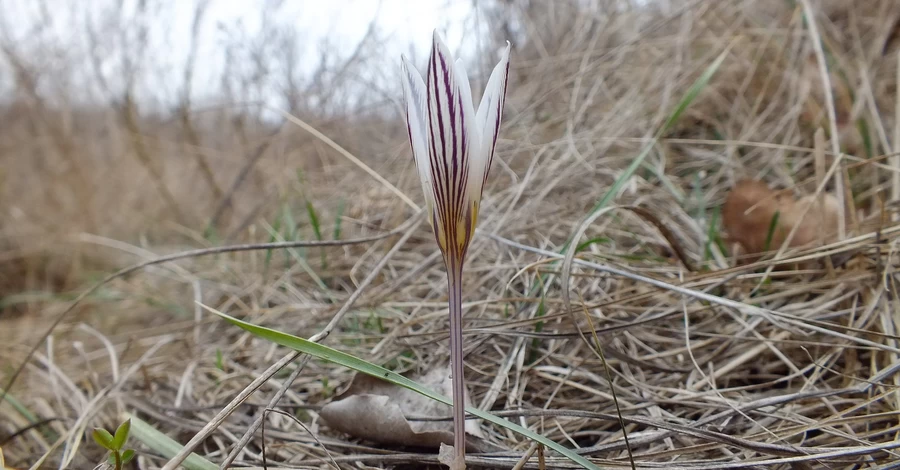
(163, 444)
(682, 106)
(47, 431)
(685, 102)
(365, 367)
(299, 258)
(337, 220)
(538, 327)
(689, 97)
(314, 220)
(596, 240)
(863, 128)
(18, 406)
(773, 225)
(317, 229)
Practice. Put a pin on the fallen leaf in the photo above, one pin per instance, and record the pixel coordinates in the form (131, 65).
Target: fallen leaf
(751, 207)
(448, 457)
(376, 410)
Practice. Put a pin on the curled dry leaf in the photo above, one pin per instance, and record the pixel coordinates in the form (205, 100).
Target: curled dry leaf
(376, 410)
(447, 456)
(751, 207)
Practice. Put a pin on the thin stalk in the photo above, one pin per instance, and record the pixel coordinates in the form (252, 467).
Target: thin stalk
(454, 281)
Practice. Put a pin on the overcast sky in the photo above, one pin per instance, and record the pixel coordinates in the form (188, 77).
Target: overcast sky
(407, 25)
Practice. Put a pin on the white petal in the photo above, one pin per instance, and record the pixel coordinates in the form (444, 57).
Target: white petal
(475, 177)
(490, 113)
(415, 94)
(449, 144)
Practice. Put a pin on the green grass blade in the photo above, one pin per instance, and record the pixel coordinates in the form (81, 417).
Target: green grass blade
(46, 431)
(314, 220)
(773, 225)
(863, 128)
(694, 91)
(593, 241)
(683, 105)
(337, 220)
(298, 257)
(365, 367)
(18, 406)
(317, 229)
(163, 444)
(685, 102)
(538, 327)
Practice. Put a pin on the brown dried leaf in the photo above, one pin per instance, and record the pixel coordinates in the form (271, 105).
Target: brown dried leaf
(376, 410)
(447, 456)
(751, 205)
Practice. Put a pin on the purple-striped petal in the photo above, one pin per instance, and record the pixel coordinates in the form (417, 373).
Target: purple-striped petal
(488, 117)
(415, 94)
(453, 144)
(449, 150)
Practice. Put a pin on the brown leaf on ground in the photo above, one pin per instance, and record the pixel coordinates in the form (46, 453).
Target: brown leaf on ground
(751, 206)
(377, 411)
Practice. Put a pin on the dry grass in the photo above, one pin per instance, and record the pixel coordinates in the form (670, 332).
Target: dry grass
(785, 368)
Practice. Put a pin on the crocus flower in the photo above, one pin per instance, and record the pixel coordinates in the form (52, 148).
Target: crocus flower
(453, 146)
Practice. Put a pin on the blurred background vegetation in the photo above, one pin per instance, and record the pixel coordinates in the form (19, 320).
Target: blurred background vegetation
(131, 129)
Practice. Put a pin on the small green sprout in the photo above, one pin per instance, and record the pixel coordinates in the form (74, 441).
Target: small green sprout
(220, 360)
(115, 444)
(773, 226)
(327, 390)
